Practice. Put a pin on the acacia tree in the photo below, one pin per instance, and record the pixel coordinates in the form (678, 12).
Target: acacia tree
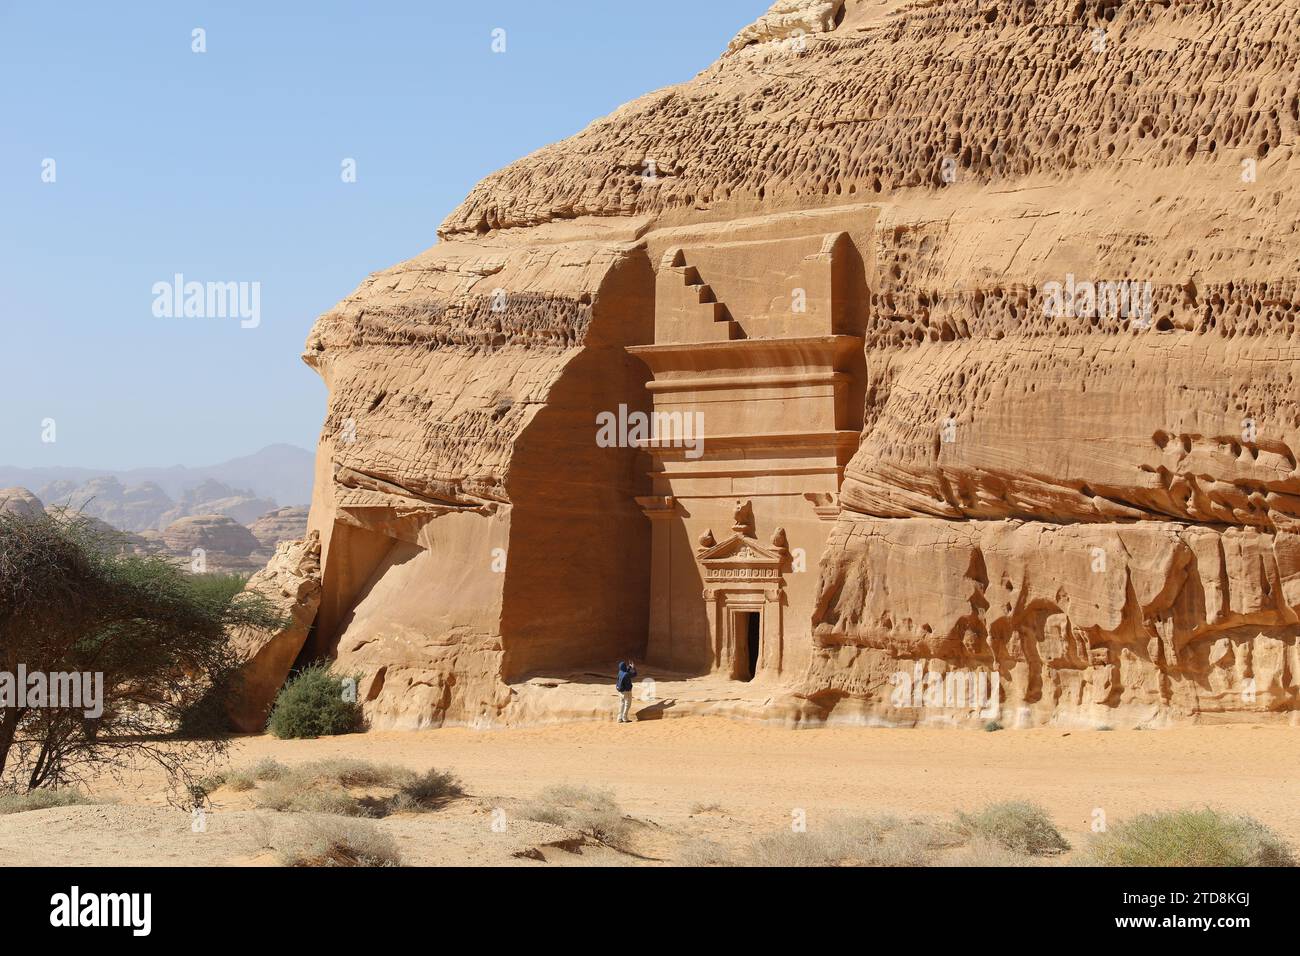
(73, 600)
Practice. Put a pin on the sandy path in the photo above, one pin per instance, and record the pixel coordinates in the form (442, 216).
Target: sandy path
(695, 780)
(661, 769)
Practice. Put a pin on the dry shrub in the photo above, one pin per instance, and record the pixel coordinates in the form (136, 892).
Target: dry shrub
(593, 813)
(889, 841)
(1018, 825)
(326, 786)
(329, 841)
(983, 852)
(842, 841)
(427, 791)
(42, 800)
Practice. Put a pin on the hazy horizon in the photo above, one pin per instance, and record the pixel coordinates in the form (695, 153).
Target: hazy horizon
(228, 167)
(154, 465)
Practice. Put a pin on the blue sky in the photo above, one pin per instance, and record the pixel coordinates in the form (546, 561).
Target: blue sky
(225, 166)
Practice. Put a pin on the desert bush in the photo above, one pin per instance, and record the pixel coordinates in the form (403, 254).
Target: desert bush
(787, 848)
(237, 780)
(698, 808)
(429, 790)
(992, 726)
(854, 841)
(314, 704)
(695, 852)
(1017, 825)
(329, 841)
(351, 772)
(885, 841)
(593, 813)
(244, 778)
(1188, 838)
(73, 600)
(325, 786)
(42, 800)
(287, 796)
(915, 842)
(983, 852)
(268, 768)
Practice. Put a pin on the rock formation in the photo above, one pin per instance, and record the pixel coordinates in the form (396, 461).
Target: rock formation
(218, 542)
(147, 507)
(133, 508)
(282, 524)
(987, 312)
(291, 584)
(20, 501)
(212, 497)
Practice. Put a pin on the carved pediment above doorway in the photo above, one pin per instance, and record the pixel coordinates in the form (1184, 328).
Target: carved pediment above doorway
(741, 558)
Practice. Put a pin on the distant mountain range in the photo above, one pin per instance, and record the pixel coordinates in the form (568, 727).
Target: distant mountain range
(282, 473)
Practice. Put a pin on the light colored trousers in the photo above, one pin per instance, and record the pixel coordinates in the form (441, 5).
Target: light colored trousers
(625, 704)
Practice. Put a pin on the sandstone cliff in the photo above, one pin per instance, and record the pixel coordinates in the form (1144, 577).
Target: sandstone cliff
(1072, 255)
(290, 583)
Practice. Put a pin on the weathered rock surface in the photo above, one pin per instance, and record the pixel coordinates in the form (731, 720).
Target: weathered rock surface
(20, 501)
(1093, 499)
(790, 19)
(282, 524)
(216, 536)
(291, 584)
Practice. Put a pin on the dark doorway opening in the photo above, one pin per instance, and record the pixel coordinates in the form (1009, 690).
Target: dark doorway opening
(752, 619)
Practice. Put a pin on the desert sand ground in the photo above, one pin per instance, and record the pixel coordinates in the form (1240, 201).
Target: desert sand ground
(697, 778)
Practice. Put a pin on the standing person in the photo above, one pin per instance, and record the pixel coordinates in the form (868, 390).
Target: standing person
(626, 671)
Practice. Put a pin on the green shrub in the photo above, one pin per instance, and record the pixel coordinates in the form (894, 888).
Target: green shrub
(1016, 825)
(72, 599)
(313, 704)
(1188, 838)
(992, 726)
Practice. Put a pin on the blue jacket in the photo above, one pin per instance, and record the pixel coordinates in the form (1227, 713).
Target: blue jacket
(625, 675)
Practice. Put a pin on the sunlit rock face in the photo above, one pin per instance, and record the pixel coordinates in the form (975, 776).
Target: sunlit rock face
(990, 315)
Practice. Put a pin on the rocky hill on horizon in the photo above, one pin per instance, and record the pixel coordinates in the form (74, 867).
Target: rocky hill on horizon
(279, 472)
(146, 507)
(206, 540)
